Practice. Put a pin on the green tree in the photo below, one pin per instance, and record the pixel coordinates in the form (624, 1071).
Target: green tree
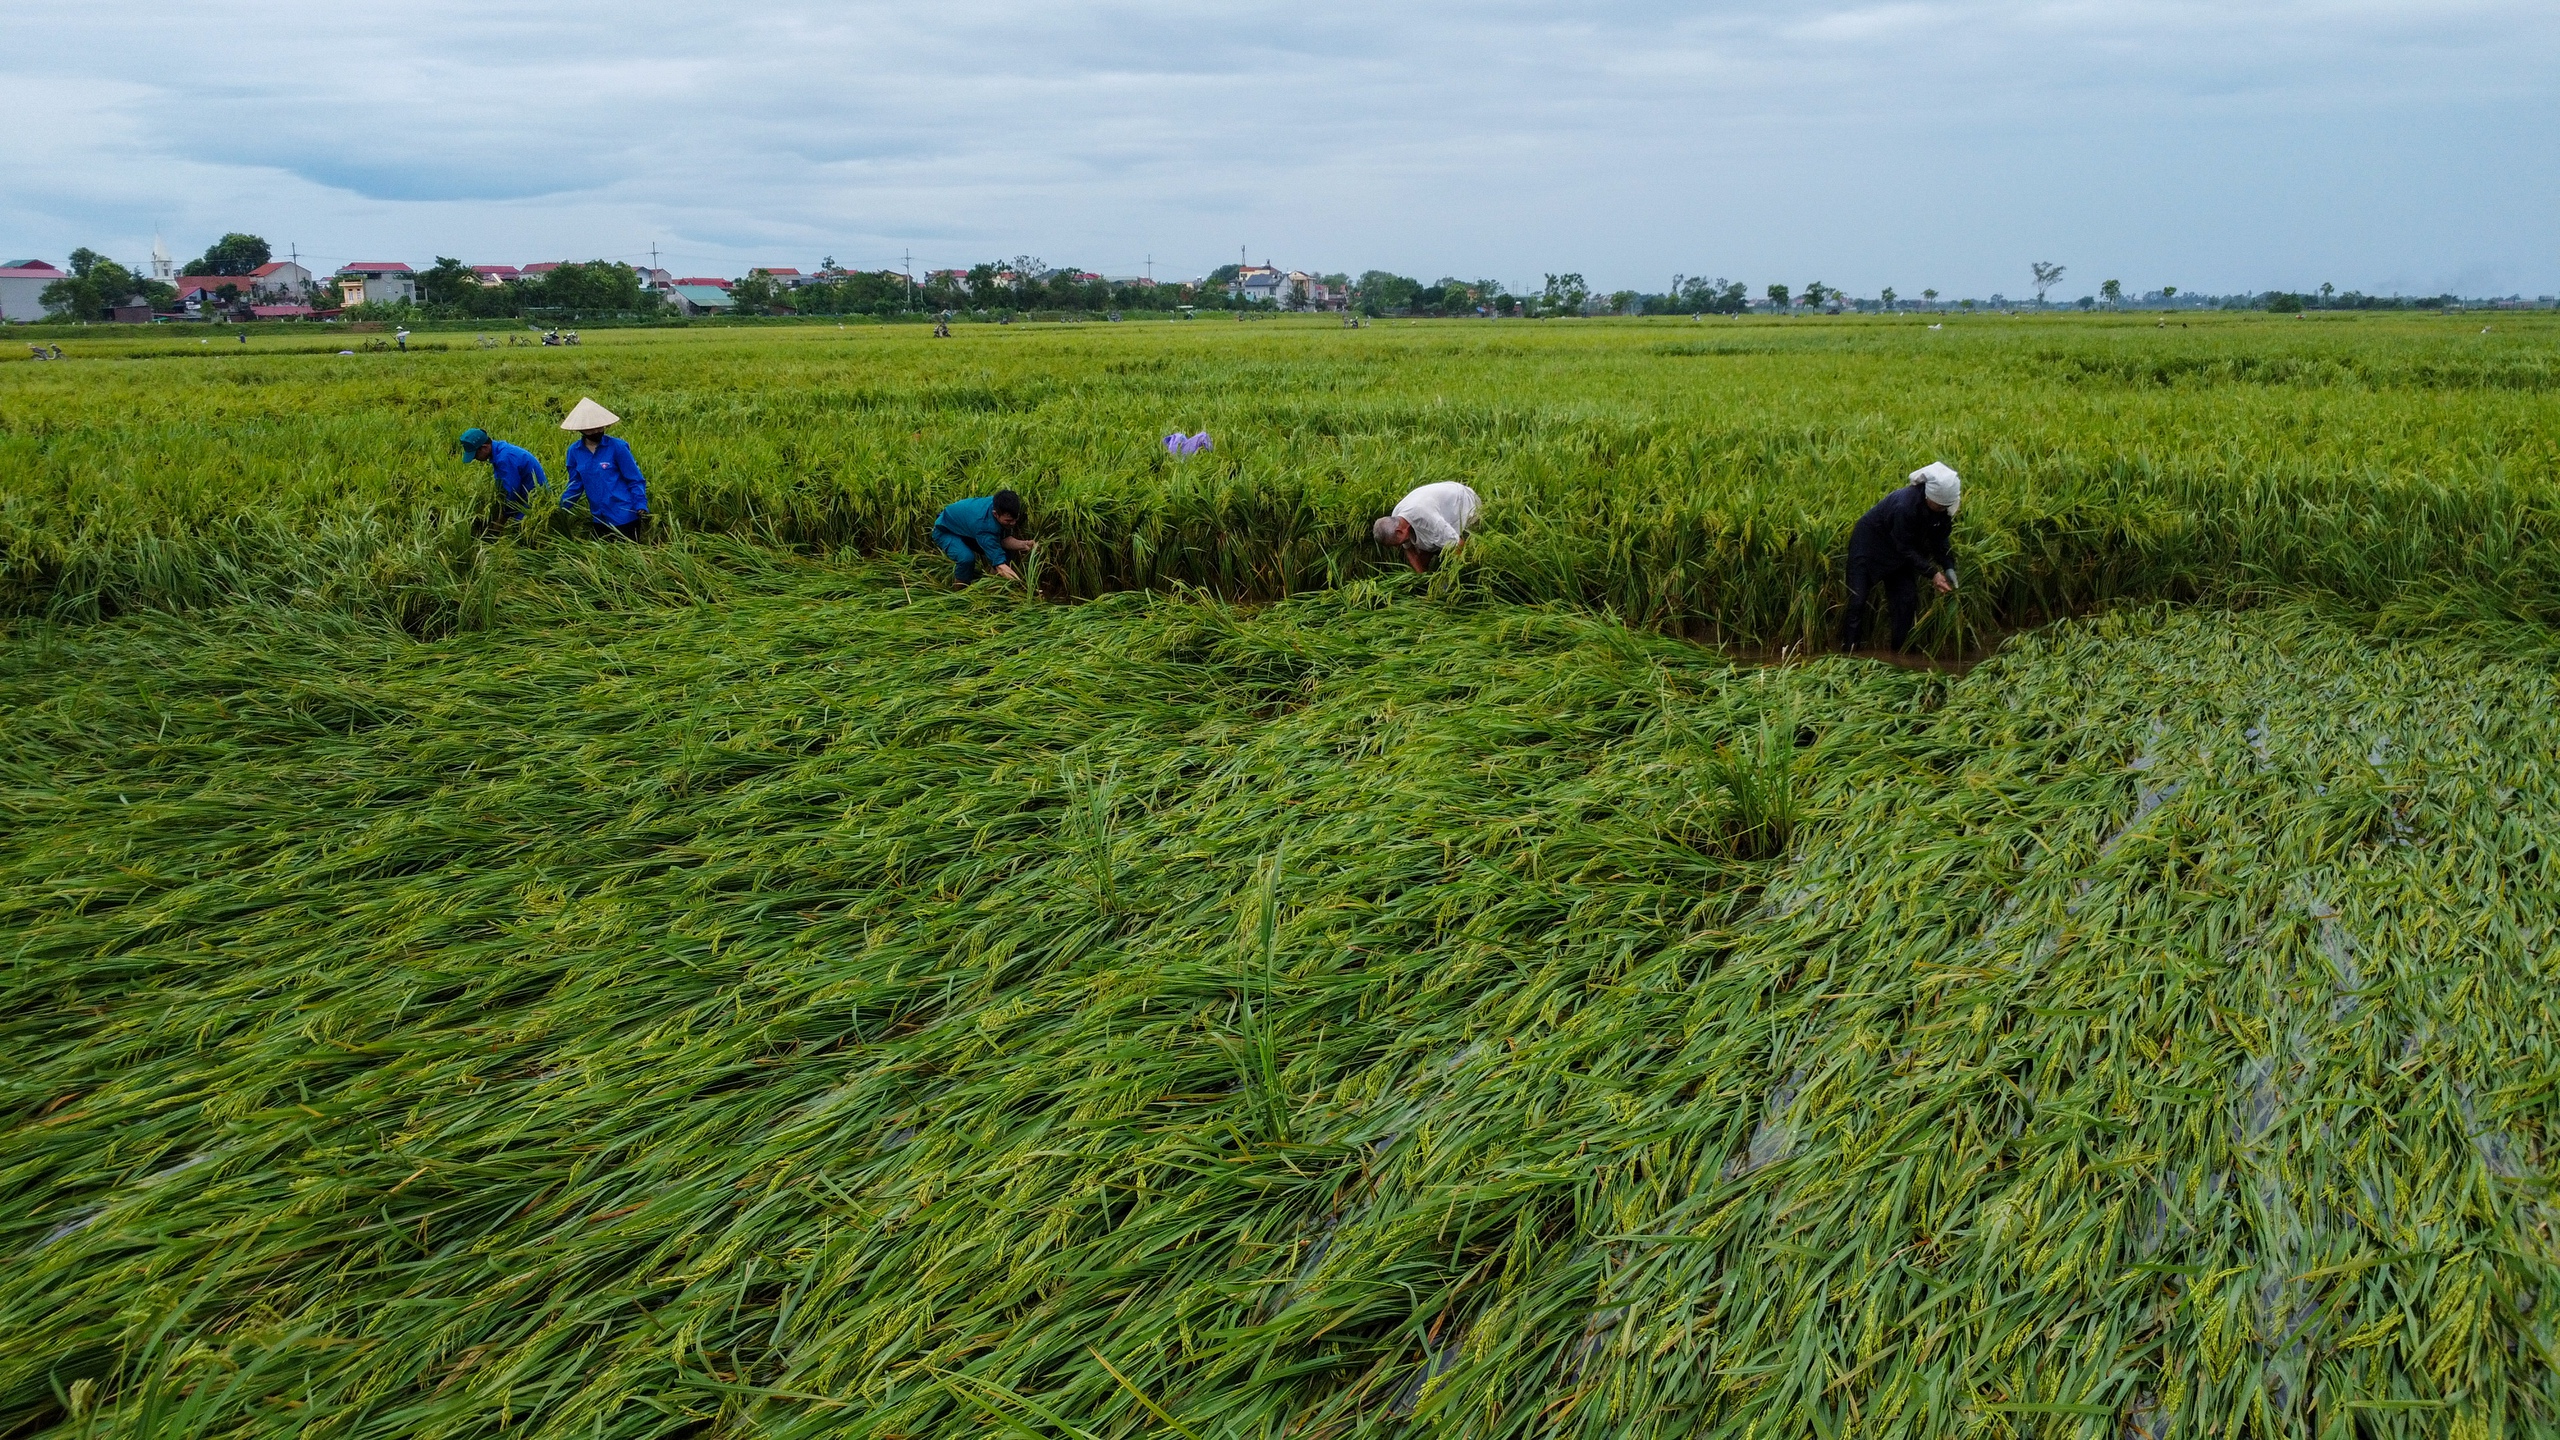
(2047, 275)
(1624, 302)
(1778, 298)
(2168, 292)
(1381, 292)
(754, 293)
(1816, 293)
(449, 282)
(1564, 295)
(97, 284)
(595, 287)
(237, 253)
(2112, 292)
(1887, 297)
(1929, 296)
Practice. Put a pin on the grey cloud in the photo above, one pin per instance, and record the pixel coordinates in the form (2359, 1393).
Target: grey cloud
(1622, 139)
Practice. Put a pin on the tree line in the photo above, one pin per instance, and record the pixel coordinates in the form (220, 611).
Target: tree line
(1024, 284)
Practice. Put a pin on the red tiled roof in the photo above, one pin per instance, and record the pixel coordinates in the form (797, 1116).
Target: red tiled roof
(700, 280)
(495, 270)
(279, 312)
(776, 271)
(31, 265)
(541, 268)
(269, 268)
(30, 272)
(389, 267)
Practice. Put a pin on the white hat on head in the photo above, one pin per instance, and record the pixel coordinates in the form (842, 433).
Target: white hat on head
(1943, 485)
(589, 416)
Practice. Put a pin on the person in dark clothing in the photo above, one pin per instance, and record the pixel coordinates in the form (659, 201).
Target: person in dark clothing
(1908, 534)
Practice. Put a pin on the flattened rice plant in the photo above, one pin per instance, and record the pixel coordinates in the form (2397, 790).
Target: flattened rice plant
(852, 1008)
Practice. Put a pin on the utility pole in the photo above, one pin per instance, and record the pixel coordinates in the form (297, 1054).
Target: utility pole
(907, 264)
(653, 258)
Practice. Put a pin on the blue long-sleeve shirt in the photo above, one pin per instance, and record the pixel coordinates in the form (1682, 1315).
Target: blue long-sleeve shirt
(519, 474)
(610, 479)
(974, 524)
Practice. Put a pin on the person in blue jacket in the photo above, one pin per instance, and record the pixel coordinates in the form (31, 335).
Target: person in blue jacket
(603, 469)
(980, 532)
(519, 474)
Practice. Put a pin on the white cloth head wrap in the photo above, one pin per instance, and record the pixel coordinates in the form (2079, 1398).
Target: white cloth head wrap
(1944, 486)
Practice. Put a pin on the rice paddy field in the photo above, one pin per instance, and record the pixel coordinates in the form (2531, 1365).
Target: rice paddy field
(463, 979)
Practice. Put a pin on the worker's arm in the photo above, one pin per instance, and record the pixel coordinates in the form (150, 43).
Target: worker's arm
(1020, 546)
(989, 543)
(1413, 558)
(577, 482)
(1907, 542)
(1942, 569)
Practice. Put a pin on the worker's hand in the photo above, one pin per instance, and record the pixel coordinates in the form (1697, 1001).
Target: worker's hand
(1019, 546)
(1945, 585)
(1007, 572)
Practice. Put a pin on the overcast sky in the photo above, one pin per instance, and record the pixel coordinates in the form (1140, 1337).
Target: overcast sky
(2381, 145)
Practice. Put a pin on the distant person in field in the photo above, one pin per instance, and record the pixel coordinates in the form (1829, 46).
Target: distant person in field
(984, 531)
(1909, 533)
(519, 474)
(1433, 518)
(603, 469)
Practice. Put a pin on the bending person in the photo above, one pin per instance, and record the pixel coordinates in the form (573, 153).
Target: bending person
(982, 531)
(603, 469)
(519, 473)
(1908, 534)
(1431, 519)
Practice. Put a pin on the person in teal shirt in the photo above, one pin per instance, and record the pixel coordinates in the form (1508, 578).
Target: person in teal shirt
(519, 473)
(979, 532)
(603, 469)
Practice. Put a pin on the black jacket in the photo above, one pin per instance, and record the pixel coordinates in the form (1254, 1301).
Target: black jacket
(1903, 533)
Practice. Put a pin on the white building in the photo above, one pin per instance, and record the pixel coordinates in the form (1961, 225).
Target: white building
(1266, 284)
(377, 282)
(1260, 283)
(279, 280)
(287, 278)
(21, 282)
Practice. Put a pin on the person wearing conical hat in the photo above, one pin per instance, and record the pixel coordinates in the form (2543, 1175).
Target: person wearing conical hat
(602, 468)
(1908, 534)
(519, 473)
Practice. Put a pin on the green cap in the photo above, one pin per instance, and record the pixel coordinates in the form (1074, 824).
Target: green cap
(472, 440)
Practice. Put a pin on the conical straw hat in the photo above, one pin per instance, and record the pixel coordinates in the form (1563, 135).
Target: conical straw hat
(589, 416)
